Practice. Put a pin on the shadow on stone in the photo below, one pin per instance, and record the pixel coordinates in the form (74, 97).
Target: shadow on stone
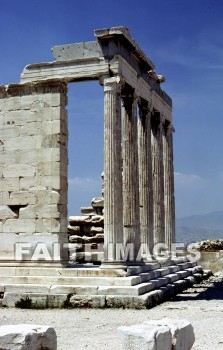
(208, 290)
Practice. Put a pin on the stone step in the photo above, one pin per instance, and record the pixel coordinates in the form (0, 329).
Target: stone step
(185, 265)
(97, 290)
(174, 268)
(183, 273)
(159, 282)
(147, 276)
(90, 286)
(100, 281)
(91, 281)
(173, 272)
(79, 275)
(172, 277)
(136, 270)
(164, 271)
(66, 296)
(78, 289)
(139, 289)
(88, 270)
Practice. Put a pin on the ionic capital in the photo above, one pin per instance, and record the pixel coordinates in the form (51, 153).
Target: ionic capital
(112, 83)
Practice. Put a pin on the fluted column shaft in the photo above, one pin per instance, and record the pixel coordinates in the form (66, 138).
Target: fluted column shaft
(113, 218)
(145, 176)
(169, 199)
(158, 179)
(131, 229)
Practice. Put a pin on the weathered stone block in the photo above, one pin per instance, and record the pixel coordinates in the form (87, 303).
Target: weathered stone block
(146, 337)
(48, 169)
(51, 127)
(31, 129)
(28, 157)
(11, 184)
(51, 113)
(29, 182)
(75, 230)
(56, 100)
(19, 226)
(21, 299)
(13, 118)
(21, 198)
(23, 142)
(40, 211)
(96, 230)
(56, 301)
(54, 182)
(9, 157)
(4, 196)
(46, 196)
(76, 239)
(14, 170)
(48, 154)
(77, 51)
(90, 301)
(50, 141)
(28, 116)
(86, 220)
(28, 100)
(6, 213)
(98, 202)
(11, 104)
(182, 332)
(9, 131)
(27, 337)
(48, 225)
(87, 210)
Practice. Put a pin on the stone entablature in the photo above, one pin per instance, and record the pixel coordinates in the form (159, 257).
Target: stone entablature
(114, 54)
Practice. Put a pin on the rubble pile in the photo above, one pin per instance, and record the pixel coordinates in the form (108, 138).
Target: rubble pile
(86, 233)
(209, 245)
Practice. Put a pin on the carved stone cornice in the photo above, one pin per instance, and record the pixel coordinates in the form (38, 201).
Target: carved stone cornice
(41, 87)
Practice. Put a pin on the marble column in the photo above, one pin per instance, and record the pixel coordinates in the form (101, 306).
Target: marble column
(113, 217)
(158, 178)
(169, 199)
(131, 227)
(145, 178)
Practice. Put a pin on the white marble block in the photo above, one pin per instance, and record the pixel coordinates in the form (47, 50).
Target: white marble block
(182, 332)
(27, 337)
(146, 337)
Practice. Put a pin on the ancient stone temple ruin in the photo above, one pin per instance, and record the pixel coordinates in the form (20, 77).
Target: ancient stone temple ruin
(138, 181)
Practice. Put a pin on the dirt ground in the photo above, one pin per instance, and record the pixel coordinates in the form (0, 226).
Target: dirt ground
(96, 329)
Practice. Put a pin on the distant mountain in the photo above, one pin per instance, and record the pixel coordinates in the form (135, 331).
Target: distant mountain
(200, 227)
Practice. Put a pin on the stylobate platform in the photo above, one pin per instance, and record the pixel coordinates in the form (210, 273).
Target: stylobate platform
(91, 286)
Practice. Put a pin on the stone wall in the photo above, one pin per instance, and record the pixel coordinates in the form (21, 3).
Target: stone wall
(33, 169)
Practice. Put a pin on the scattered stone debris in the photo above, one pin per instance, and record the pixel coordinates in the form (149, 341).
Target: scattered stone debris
(86, 232)
(209, 245)
(165, 334)
(27, 337)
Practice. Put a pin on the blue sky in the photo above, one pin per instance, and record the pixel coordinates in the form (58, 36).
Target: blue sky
(184, 38)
